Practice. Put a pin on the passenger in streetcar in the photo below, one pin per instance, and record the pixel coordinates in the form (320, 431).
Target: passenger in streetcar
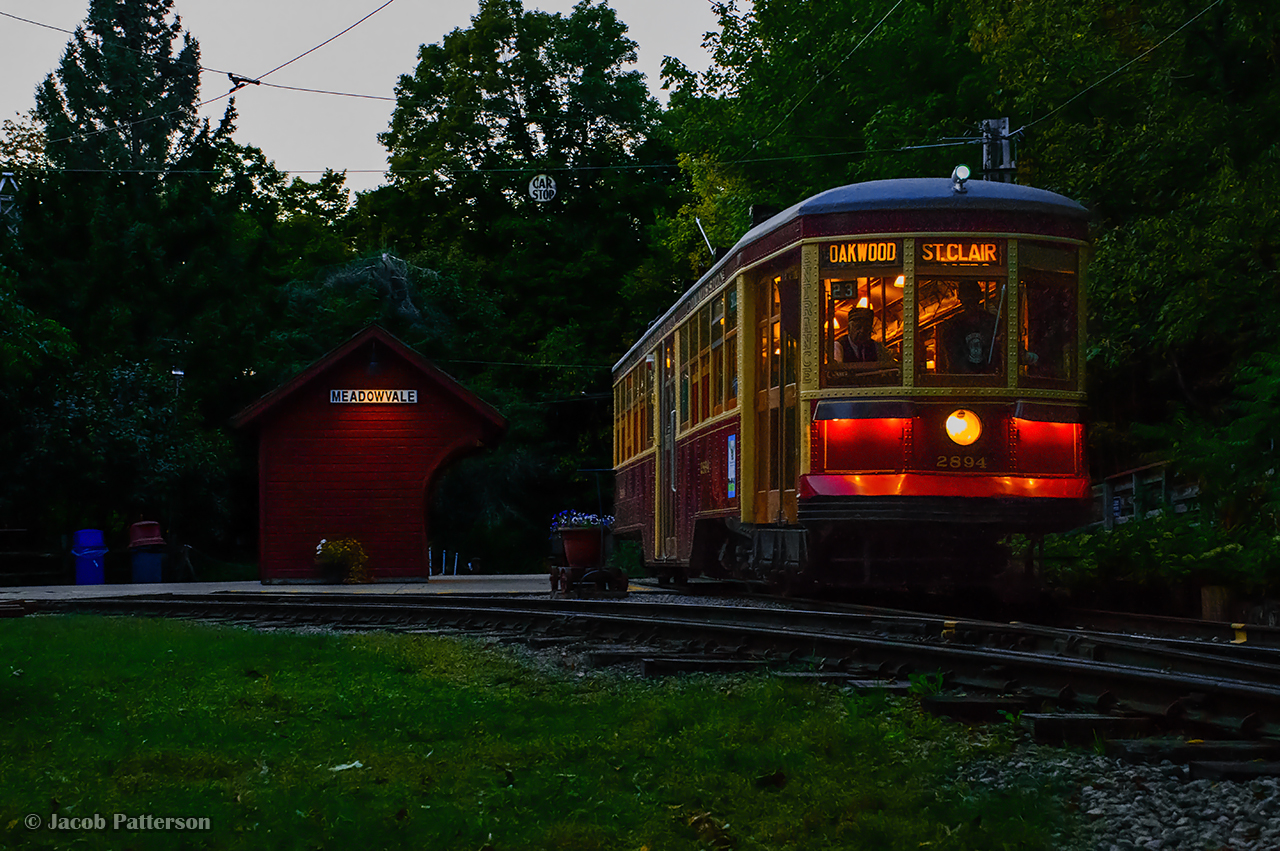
(966, 338)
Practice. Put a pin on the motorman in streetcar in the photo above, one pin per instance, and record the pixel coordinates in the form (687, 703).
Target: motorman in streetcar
(856, 345)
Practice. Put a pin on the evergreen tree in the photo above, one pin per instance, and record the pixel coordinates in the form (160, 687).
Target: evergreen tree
(150, 237)
(123, 98)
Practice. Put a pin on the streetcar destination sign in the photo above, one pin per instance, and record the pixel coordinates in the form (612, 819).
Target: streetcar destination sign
(852, 253)
(961, 253)
(373, 397)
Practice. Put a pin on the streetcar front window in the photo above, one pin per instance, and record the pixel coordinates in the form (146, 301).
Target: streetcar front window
(862, 330)
(862, 321)
(1048, 317)
(960, 329)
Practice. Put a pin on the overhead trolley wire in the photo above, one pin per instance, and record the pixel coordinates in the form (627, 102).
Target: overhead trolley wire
(259, 81)
(950, 143)
(118, 127)
(324, 91)
(824, 77)
(37, 23)
(234, 77)
(1142, 55)
(617, 167)
(240, 82)
(326, 41)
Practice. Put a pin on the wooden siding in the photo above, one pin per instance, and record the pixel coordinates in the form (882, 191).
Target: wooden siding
(364, 471)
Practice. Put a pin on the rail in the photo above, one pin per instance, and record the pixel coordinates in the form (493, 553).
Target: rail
(1229, 688)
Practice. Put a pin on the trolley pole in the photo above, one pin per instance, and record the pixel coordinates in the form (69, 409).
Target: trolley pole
(997, 157)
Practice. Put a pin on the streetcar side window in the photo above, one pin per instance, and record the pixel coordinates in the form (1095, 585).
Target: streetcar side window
(628, 433)
(709, 359)
(704, 364)
(684, 376)
(960, 329)
(731, 347)
(717, 354)
(617, 423)
(862, 328)
(650, 388)
(693, 329)
(642, 405)
(1048, 316)
(633, 411)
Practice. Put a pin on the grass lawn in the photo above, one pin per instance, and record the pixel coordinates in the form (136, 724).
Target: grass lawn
(370, 741)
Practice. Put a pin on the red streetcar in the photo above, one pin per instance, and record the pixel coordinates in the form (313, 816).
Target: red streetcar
(872, 387)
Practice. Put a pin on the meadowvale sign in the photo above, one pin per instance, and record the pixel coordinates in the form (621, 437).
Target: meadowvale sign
(373, 397)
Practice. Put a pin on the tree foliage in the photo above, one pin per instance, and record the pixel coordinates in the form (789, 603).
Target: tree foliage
(516, 94)
(123, 97)
(158, 244)
(151, 241)
(1163, 118)
(804, 96)
(21, 144)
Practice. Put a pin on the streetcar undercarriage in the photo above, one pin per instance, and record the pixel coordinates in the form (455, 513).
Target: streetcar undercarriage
(906, 544)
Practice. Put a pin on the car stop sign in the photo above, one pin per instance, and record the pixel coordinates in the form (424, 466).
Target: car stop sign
(542, 188)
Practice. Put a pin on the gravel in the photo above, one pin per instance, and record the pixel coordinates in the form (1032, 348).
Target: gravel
(1124, 807)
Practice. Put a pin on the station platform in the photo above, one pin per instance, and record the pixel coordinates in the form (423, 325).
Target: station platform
(523, 583)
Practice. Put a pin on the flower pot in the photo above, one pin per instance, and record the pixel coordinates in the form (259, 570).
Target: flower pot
(583, 547)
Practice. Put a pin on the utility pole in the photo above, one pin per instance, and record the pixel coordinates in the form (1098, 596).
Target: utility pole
(9, 201)
(997, 152)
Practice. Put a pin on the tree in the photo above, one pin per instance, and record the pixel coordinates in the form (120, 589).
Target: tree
(27, 341)
(122, 99)
(1161, 117)
(804, 96)
(29, 344)
(162, 246)
(21, 145)
(517, 94)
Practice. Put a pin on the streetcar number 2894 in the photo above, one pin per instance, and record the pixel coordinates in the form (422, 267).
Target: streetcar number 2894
(962, 462)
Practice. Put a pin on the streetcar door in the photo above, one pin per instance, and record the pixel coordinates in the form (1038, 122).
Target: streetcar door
(665, 531)
(776, 399)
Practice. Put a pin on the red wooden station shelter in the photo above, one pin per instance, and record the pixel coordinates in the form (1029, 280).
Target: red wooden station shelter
(351, 448)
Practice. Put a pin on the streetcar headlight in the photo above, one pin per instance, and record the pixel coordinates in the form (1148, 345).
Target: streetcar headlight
(959, 175)
(963, 427)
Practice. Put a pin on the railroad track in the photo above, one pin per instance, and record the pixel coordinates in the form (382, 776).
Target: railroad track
(1220, 688)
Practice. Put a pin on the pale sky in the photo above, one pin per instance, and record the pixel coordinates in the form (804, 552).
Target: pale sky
(303, 132)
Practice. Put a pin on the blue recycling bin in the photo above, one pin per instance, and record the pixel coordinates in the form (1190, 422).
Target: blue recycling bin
(88, 548)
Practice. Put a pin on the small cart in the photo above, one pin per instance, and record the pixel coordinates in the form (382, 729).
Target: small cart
(579, 565)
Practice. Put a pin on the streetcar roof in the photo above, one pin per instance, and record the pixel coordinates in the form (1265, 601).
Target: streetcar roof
(911, 193)
(931, 193)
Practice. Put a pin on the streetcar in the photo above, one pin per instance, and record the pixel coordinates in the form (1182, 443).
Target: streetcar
(874, 387)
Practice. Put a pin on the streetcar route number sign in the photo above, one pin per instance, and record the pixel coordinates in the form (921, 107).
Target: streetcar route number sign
(542, 188)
